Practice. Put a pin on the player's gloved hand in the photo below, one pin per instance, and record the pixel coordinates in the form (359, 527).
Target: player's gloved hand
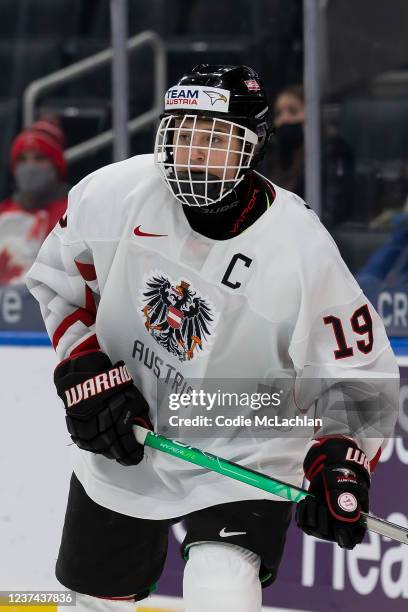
(102, 404)
(339, 477)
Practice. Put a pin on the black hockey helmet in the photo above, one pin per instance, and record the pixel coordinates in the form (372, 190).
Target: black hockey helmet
(248, 103)
(233, 103)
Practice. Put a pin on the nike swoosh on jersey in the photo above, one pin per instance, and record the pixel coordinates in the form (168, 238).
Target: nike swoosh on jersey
(228, 534)
(138, 232)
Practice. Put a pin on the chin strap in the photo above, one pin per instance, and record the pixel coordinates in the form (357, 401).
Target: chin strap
(230, 202)
(200, 190)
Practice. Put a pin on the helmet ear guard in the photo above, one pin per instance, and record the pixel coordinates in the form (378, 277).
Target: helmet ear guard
(221, 111)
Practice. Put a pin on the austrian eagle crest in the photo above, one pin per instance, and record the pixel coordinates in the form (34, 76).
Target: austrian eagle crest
(176, 316)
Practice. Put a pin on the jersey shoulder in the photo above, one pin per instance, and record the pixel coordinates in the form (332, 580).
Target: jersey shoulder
(308, 244)
(303, 228)
(99, 204)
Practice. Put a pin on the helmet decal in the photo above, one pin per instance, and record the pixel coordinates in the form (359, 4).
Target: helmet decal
(198, 98)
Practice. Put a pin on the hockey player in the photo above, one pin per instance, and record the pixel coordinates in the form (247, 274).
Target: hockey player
(191, 265)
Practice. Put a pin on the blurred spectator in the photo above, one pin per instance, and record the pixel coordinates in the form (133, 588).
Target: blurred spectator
(40, 199)
(285, 162)
(288, 153)
(389, 264)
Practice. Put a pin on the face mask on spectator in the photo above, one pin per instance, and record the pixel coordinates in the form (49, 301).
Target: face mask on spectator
(289, 136)
(35, 179)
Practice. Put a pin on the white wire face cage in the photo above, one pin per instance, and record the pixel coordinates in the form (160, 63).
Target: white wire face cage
(200, 159)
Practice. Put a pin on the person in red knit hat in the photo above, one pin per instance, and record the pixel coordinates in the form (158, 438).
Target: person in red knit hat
(39, 169)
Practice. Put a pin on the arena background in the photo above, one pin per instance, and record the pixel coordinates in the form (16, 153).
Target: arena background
(352, 58)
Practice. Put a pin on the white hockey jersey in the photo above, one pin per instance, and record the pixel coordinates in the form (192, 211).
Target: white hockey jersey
(276, 301)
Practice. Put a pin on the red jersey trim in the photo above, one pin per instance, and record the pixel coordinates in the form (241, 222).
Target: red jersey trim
(82, 315)
(87, 271)
(90, 345)
(375, 460)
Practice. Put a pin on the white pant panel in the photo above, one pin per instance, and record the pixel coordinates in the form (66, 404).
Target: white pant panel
(222, 578)
(86, 603)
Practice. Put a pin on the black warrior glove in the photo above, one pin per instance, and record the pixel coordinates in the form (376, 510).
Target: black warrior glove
(339, 477)
(102, 404)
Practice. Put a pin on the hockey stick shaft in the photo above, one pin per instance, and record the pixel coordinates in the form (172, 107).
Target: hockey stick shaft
(253, 478)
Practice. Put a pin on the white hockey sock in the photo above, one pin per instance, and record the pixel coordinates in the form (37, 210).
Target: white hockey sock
(222, 578)
(86, 603)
